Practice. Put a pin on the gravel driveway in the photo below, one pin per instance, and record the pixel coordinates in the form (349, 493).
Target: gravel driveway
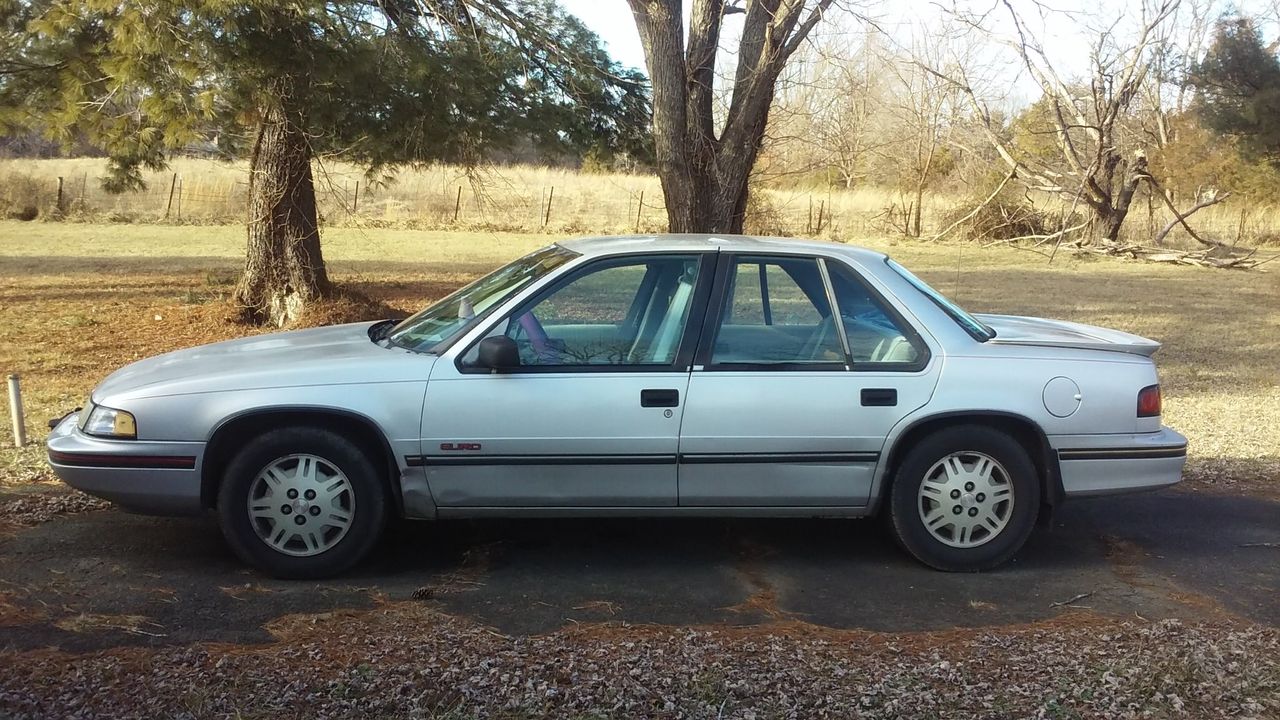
(1161, 605)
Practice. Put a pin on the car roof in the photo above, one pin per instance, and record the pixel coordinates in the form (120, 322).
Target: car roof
(619, 244)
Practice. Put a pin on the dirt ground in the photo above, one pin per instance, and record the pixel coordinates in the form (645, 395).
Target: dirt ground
(1156, 605)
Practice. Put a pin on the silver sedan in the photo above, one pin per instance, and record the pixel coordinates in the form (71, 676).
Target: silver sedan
(657, 375)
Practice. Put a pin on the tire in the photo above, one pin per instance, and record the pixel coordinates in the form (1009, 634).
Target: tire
(934, 479)
(317, 475)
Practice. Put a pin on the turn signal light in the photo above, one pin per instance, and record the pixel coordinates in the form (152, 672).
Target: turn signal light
(1149, 401)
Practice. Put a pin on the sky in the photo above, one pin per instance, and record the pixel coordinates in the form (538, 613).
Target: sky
(1060, 30)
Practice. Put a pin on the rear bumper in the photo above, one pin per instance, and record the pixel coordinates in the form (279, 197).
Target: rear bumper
(155, 478)
(1112, 464)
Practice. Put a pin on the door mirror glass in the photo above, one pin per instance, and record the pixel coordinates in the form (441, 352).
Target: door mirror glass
(499, 353)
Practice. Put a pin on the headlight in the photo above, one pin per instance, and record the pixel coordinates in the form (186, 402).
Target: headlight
(108, 422)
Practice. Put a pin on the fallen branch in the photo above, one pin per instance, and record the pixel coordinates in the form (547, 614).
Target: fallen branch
(1260, 545)
(1182, 217)
(1045, 238)
(1212, 257)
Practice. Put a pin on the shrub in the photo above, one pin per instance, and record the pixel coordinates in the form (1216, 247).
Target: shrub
(1010, 214)
(763, 217)
(19, 197)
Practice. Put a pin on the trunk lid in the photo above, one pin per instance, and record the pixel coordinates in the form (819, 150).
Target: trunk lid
(1014, 330)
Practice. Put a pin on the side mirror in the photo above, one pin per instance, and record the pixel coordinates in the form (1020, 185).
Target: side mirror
(499, 353)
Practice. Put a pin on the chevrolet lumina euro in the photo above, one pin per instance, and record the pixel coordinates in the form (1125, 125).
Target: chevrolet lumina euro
(637, 376)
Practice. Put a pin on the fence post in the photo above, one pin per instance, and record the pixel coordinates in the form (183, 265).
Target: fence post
(808, 226)
(179, 199)
(638, 209)
(822, 204)
(15, 412)
(552, 196)
(59, 204)
(173, 184)
(457, 205)
(355, 199)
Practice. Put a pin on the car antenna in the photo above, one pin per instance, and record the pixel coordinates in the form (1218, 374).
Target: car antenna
(955, 292)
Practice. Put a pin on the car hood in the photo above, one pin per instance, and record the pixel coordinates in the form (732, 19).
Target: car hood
(334, 355)
(1013, 330)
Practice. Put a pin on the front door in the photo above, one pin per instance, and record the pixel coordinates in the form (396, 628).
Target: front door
(591, 418)
(803, 371)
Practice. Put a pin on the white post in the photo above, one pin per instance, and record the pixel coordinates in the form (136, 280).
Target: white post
(15, 412)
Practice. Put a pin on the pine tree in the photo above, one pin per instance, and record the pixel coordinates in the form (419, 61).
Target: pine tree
(383, 83)
(1238, 89)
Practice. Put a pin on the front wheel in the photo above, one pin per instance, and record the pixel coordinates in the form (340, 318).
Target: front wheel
(302, 503)
(964, 499)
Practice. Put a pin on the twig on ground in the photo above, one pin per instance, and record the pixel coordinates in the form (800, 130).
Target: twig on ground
(1081, 596)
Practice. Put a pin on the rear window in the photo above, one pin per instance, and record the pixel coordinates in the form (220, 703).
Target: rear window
(972, 325)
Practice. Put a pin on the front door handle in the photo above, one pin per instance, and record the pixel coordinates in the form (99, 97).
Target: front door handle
(659, 398)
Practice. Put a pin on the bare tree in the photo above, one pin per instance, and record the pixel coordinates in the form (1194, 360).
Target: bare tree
(1090, 164)
(924, 112)
(704, 173)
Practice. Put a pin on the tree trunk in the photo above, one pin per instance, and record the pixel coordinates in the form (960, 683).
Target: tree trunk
(284, 270)
(705, 177)
(1111, 216)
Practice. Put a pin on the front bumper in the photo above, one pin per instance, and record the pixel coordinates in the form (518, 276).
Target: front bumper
(155, 478)
(1112, 464)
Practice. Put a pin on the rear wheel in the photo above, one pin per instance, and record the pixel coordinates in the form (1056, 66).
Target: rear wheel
(964, 499)
(302, 503)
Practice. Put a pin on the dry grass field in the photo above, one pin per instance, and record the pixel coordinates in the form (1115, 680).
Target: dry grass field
(79, 300)
(515, 199)
(512, 199)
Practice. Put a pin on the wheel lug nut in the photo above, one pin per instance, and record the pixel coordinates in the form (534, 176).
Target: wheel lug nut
(292, 494)
(956, 510)
(968, 487)
(310, 495)
(982, 497)
(300, 519)
(955, 494)
(286, 509)
(315, 510)
(973, 512)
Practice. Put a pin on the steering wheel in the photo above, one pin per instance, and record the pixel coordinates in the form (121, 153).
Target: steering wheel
(538, 338)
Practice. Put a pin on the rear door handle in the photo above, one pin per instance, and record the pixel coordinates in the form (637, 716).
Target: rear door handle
(879, 397)
(659, 398)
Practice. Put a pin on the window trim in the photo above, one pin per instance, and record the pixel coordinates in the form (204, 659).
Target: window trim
(715, 307)
(688, 339)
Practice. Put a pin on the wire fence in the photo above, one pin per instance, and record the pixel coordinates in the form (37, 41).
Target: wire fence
(568, 204)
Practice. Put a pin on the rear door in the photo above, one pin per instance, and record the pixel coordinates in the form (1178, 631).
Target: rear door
(802, 371)
(592, 416)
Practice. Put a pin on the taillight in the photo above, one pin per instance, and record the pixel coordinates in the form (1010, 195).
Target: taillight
(1149, 401)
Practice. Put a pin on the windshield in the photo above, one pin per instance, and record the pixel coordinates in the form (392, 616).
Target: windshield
(971, 324)
(444, 320)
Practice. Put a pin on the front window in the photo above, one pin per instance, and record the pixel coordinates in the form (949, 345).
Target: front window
(455, 313)
(971, 324)
(627, 311)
